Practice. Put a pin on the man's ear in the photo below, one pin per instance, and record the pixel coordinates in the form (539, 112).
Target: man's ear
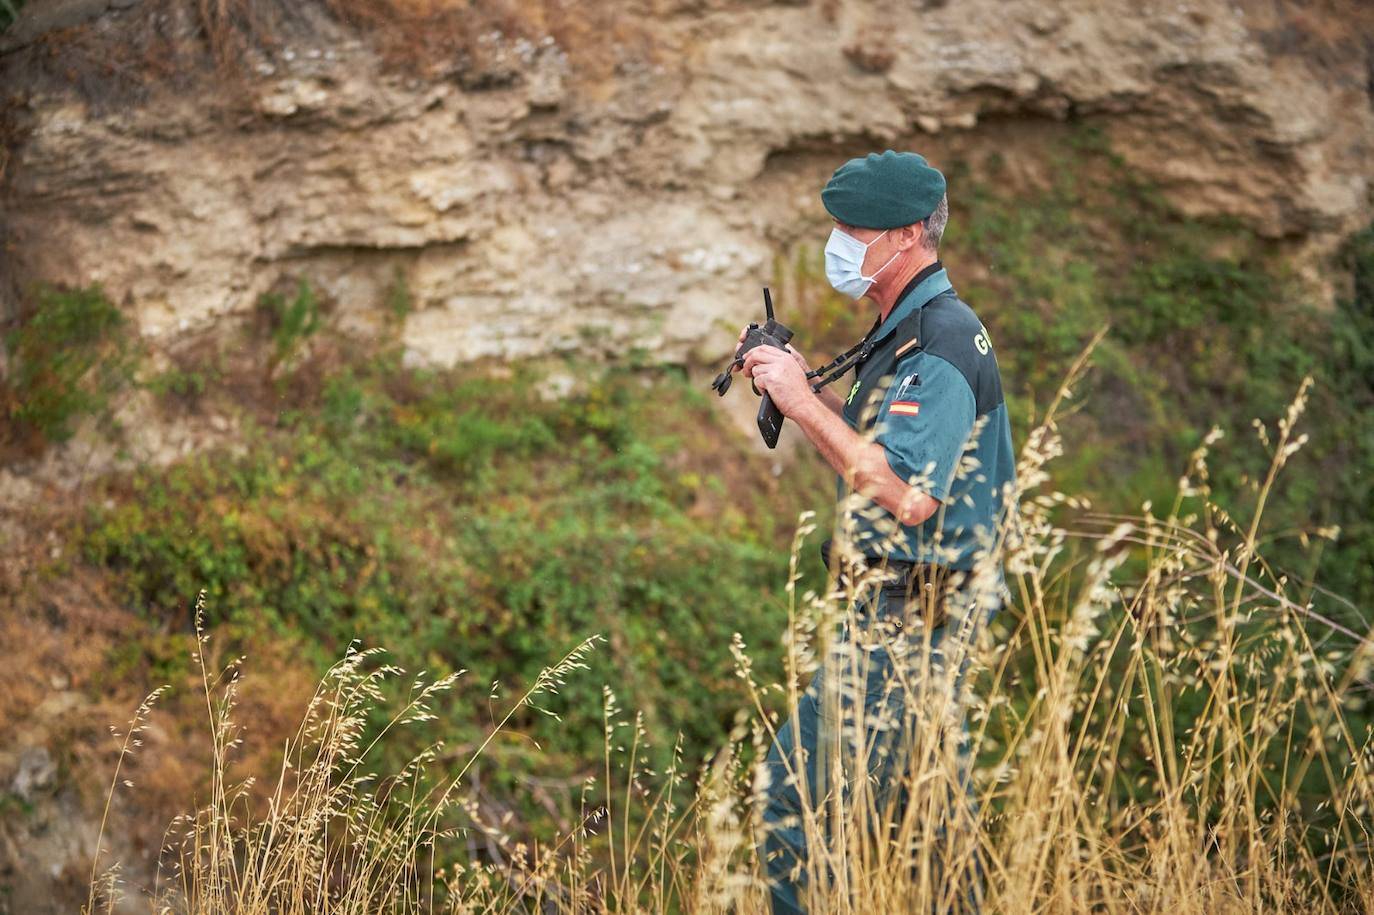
(910, 236)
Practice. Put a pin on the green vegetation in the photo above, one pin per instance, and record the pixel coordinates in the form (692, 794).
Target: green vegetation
(291, 323)
(188, 384)
(69, 355)
(467, 521)
(397, 297)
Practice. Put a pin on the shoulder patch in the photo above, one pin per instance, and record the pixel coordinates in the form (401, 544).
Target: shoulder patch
(907, 334)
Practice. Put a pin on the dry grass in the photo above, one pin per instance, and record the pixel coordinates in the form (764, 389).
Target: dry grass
(1327, 34)
(116, 62)
(483, 43)
(494, 38)
(1089, 795)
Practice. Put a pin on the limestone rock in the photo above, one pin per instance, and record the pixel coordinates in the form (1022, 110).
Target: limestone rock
(550, 210)
(37, 772)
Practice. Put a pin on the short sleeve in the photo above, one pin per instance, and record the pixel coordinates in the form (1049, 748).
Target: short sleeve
(925, 422)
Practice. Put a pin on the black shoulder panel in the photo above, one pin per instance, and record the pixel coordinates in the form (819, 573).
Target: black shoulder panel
(948, 328)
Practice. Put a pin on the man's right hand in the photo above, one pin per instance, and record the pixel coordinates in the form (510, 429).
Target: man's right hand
(801, 360)
(827, 395)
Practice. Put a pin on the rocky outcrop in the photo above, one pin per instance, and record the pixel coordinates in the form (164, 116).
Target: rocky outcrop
(543, 207)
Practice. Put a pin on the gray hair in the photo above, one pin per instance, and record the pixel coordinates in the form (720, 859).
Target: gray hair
(933, 226)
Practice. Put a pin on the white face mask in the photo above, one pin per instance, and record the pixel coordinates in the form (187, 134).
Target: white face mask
(844, 263)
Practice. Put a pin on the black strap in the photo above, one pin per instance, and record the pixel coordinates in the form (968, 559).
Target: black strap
(843, 363)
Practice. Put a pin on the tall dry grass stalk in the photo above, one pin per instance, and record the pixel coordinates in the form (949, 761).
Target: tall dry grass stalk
(1154, 724)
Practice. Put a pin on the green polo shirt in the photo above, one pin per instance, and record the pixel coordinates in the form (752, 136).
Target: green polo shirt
(930, 393)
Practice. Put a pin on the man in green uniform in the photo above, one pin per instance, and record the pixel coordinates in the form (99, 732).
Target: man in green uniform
(923, 441)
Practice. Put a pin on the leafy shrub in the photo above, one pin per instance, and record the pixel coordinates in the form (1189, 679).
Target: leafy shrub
(68, 356)
(469, 522)
(1184, 292)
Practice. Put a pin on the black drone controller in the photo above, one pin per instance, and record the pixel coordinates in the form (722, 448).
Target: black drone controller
(770, 333)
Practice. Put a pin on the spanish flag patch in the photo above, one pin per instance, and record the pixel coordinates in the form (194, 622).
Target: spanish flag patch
(905, 407)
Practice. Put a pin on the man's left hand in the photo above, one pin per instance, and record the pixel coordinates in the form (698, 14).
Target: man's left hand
(777, 373)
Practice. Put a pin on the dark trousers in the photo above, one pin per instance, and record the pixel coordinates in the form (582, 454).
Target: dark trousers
(856, 710)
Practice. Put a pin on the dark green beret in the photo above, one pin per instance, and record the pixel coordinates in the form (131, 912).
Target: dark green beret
(884, 191)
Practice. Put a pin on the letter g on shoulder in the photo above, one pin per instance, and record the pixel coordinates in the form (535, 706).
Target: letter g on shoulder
(981, 341)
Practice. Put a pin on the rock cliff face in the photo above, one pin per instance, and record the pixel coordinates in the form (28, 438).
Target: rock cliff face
(543, 205)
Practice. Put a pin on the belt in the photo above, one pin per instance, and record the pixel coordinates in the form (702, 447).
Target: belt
(921, 584)
(904, 572)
